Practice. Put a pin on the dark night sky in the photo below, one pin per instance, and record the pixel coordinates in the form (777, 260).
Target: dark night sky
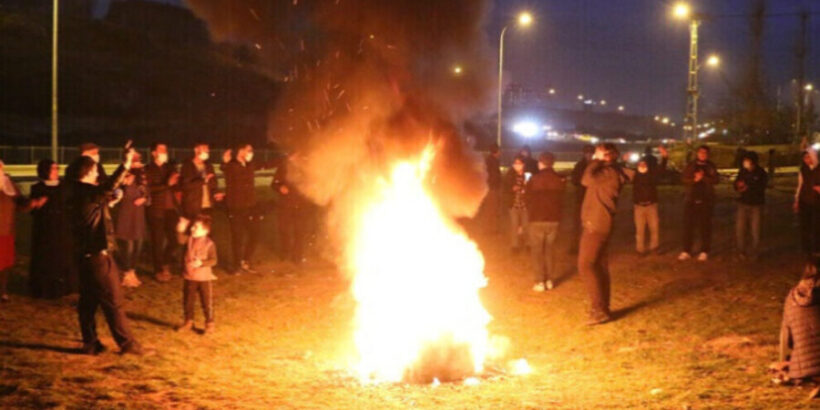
(632, 52)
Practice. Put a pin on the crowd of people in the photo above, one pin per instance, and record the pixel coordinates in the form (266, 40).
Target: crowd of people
(102, 223)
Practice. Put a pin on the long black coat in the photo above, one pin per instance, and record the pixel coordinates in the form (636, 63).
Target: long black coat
(52, 272)
(191, 181)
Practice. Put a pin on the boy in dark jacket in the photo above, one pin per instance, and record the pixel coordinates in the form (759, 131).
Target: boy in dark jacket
(198, 183)
(751, 183)
(645, 199)
(545, 198)
(699, 178)
(200, 259)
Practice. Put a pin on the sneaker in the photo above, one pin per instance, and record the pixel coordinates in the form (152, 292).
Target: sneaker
(703, 257)
(188, 325)
(93, 349)
(163, 276)
(245, 266)
(549, 285)
(684, 256)
(539, 287)
(130, 279)
(209, 327)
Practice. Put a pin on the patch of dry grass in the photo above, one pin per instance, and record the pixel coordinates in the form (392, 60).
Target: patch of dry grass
(690, 334)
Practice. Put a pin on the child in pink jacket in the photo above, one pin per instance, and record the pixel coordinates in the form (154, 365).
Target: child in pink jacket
(200, 258)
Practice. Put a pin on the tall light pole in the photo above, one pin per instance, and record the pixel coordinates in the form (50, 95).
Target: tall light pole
(54, 121)
(683, 11)
(524, 20)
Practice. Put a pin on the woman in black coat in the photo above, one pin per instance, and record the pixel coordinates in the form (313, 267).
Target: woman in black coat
(52, 272)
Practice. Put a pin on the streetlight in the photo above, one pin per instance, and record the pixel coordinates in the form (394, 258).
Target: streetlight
(621, 108)
(809, 87)
(54, 120)
(682, 11)
(552, 91)
(713, 60)
(524, 20)
(603, 102)
(457, 70)
(580, 97)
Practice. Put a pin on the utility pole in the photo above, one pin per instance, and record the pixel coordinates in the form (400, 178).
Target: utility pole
(54, 106)
(690, 122)
(800, 54)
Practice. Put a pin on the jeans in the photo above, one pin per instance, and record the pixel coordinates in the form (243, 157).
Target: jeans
(131, 251)
(518, 227)
(748, 219)
(163, 228)
(205, 291)
(697, 215)
(646, 216)
(542, 239)
(593, 268)
(244, 225)
(100, 287)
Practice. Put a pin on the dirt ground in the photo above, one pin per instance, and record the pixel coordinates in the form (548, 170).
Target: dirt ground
(687, 335)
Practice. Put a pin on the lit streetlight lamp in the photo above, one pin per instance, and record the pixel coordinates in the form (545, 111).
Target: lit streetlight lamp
(713, 60)
(580, 97)
(457, 70)
(621, 108)
(524, 20)
(552, 91)
(682, 11)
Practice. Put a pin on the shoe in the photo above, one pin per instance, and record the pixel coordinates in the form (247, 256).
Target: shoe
(684, 256)
(549, 285)
(93, 349)
(188, 325)
(539, 287)
(209, 327)
(163, 276)
(130, 279)
(703, 257)
(245, 266)
(135, 349)
(598, 319)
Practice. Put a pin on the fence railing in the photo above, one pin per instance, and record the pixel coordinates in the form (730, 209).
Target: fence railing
(32, 154)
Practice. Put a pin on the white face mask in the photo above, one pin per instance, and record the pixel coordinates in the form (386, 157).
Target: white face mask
(162, 157)
(249, 157)
(95, 157)
(518, 167)
(204, 156)
(198, 231)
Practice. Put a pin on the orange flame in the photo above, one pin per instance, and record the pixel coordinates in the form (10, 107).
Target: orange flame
(417, 281)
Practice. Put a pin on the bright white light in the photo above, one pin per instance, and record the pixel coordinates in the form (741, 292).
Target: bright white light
(816, 146)
(580, 97)
(594, 140)
(634, 157)
(620, 108)
(552, 91)
(546, 127)
(527, 129)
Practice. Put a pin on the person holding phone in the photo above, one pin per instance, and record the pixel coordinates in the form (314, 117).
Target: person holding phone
(515, 191)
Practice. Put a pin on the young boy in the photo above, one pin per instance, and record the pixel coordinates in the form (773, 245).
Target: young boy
(200, 258)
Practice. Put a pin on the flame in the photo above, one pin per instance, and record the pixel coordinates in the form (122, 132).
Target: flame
(416, 284)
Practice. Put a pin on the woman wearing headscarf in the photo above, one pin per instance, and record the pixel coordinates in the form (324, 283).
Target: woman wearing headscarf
(130, 228)
(52, 273)
(10, 201)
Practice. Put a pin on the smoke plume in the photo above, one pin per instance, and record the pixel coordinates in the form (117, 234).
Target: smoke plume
(366, 83)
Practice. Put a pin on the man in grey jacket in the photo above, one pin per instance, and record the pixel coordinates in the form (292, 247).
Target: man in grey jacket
(603, 179)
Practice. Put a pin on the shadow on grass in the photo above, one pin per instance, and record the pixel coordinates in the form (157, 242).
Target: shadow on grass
(140, 317)
(40, 346)
(665, 294)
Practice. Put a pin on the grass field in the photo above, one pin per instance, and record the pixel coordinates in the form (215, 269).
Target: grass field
(689, 335)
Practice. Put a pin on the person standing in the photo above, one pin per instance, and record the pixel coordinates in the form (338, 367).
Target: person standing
(52, 270)
(198, 182)
(751, 183)
(492, 201)
(10, 201)
(292, 212)
(645, 200)
(603, 179)
(575, 177)
(530, 163)
(99, 276)
(699, 177)
(162, 179)
(545, 198)
(200, 258)
(806, 203)
(130, 228)
(244, 215)
(800, 329)
(515, 190)
(88, 150)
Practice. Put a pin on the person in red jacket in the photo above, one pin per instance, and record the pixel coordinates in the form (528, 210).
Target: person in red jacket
(545, 198)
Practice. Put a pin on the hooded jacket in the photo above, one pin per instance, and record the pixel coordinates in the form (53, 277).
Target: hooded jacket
(603, 182)
(800, 330)
(755, 180)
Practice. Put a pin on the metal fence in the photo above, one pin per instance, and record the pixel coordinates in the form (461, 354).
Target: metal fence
(23, 155)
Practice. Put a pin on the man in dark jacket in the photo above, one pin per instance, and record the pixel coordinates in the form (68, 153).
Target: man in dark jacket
(90, 150)
(545, 198)
(645, 199)
(198, 183)
(751, 183)
(800, 329)
(492, 202)
(293, 212)
(95, 243)
(580, 190)
(699, 179)
(244, 216)
(603, 179)
(162, 215)
(530, 163)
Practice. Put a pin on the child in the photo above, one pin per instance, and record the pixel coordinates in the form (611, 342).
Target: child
(200, 258)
